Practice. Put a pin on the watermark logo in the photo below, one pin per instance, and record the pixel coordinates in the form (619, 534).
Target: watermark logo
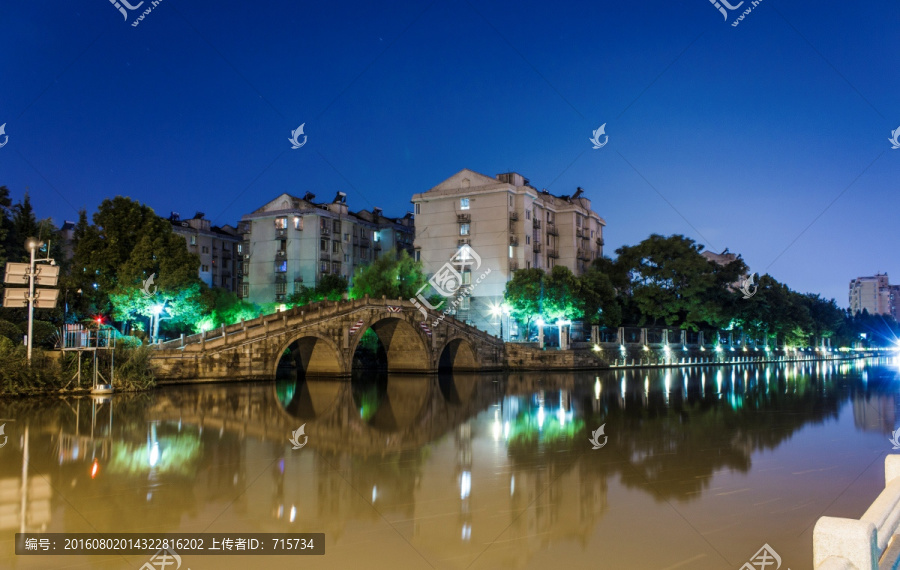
(448, 280)
(595, 437)
(295, 437)
(596, 138)
(120, 6)
(162, 560)
(719, 6)
(746, 284)
(893, 140)
(146, 289)
(745, 13)
(6, 137)
(5, 438)
(895, 437)
(295, 134)
(763, 559)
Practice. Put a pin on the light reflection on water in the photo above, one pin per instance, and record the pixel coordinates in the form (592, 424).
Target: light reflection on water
(707, 464)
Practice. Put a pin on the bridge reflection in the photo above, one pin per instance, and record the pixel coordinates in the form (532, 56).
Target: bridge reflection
(449, 461)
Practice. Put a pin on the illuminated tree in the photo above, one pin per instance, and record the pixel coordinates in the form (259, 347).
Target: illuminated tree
(395, 276)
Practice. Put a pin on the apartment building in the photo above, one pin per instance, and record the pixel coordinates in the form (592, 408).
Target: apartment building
(291, 242)
(217, 247)
(875, 295)
(510, 225)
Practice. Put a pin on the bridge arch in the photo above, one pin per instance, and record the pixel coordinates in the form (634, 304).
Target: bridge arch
(405, 344)
(312, 353)
(457, 354)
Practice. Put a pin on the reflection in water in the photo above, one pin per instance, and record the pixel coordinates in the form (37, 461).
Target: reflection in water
(451, 462)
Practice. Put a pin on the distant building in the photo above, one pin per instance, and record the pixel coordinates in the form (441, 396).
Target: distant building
(217, 247)
(67, 231)
(723, 258)
(875, 295)
(292, 242)
(510, 225)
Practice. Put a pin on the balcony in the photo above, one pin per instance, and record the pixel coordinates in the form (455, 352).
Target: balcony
(514, 216)
(537, 247)
(325, 231)
(462, 242)
(513, 265)
(600, 241)
(551, 229)
(553, 253)
(583, 254)
(579, 232)
(513, 240)
(364, 242)
(536, 224)
(325, 256)
(463, 218)
(280, 254)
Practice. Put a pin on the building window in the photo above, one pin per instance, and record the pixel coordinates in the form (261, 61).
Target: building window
(281, 223)
(577, 221)
(336, 226)
(193, 240)
(280, 288)
(417, 255)
(512, 252)
(592, 234)
(527, 214)
(323, 245)
(245, 289)
(527, 240)
(204, 249)
(335, 267)
(463, 229)
(346, 258)
(346, 237)
(298, 223)
(323, 267)
(467, 277)
(204, 268)
(464, 303)
(335, 246)
(510, 200)
(463, 203)
(240, 248)
(418, 209)
(281, 267)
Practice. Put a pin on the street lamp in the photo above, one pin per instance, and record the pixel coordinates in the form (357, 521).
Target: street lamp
(155, 311)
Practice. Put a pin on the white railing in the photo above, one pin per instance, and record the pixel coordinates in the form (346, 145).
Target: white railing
(840, 543)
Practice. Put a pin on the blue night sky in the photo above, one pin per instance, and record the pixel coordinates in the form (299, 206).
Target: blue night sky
(769, 138)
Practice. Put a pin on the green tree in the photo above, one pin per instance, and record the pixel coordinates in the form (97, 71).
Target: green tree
(597, 298)
(331, 287)
(561, 295)
(393, 275)
(524, 296)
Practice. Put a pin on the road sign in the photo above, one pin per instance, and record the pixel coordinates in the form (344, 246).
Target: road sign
(15, 298)
(16, 273)
(46, 275)
(45, 298)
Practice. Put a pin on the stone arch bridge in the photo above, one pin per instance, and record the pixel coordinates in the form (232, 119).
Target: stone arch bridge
(321, 339)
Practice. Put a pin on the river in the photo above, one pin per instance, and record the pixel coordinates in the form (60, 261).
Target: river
(695, 468)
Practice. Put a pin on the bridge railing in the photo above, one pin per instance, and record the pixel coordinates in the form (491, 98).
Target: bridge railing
(850, 543)
(315, 311)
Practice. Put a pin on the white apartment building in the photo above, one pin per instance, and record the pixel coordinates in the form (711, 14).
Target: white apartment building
(290, 242)
(874, 294)
(510, 225)
(217, 247)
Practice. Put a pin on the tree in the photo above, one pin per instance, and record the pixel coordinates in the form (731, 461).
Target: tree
(331, 287)
(597, 298)
(524, 295)
(671, 283)
(560, 295)
(393, 275)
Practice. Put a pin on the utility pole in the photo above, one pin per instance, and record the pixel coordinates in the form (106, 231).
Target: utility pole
(22, 273)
